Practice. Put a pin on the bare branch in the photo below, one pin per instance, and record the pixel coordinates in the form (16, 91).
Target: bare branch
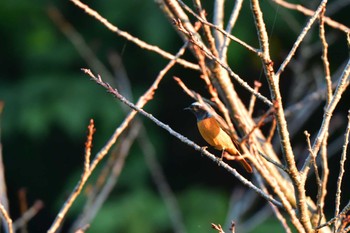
(231, 23)
(84, 177)
(217, 227)
(301, 37)
(218, 20)
(343, 83)
(325, 57)
(7, 218)
(131, 38)
(203, 21)
(341, 166)
(182, 138)
(28, 215)
(257, 86)
(3, 190)
(309, 12)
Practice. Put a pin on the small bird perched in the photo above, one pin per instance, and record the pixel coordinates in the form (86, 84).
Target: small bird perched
(214, 134)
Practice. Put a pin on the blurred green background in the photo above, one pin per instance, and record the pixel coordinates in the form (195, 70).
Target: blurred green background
(49, 102)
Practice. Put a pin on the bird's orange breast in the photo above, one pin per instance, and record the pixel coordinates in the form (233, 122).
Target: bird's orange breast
(214, 135)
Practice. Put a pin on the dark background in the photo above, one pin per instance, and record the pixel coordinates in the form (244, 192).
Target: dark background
(49, 101)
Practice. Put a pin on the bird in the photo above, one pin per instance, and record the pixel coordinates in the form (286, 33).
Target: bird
(215, 135)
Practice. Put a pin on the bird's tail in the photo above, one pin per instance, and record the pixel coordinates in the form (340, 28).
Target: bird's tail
(235, 155)
(246, 165)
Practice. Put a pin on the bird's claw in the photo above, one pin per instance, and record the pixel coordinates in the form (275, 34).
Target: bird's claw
(203, 148)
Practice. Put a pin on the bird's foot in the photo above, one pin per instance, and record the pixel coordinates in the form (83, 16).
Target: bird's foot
(221, 157)
(203, 148)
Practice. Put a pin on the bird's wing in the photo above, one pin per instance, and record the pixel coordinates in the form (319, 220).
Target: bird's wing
(223, 125)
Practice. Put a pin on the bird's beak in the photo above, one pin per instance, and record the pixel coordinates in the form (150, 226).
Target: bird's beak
(188, 108)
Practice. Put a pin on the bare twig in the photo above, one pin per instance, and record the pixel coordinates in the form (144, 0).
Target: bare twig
(162, 184)
(28, 215)
(277, 212)
(325, 173)
(115, 169)
(301, 37)
(203, 21)
(83, 229)
(3, 190)
(341, 169)
(257, 85)
(7, 218)
(325, 57)
(319, 183)
(231, 23)
(218, 20)
(23, 206)
(272, 131)
(344, 211)
(309, 12)
(78, 41)
(280, 166)
(131, 38)
(217, 227)
(88, 169)
(343, 83)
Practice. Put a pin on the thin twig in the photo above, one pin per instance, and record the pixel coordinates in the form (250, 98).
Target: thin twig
(83, 229)
(301, 38)
(309, 12)
(287, 200)
(257, 86)
(250, 48)
(7, 218)
(115, 169)
(23, 207)
(277, 212)
(3, 190)
(260, 123)
(341, 167)
(325, 174)
(131, 38)
(344, 211)
(272, 131)
(84, 177)
(343, 83)
(320, 188)
(78, 42)
(160, 180)
(218, 20)
(326, 68)
(28, 215)
(231, 23)
(217, 227)
(280, 166)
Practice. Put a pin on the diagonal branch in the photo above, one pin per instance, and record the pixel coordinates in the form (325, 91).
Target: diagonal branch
(301, 37)
(309, 12)
(182, 138)
(131, 38)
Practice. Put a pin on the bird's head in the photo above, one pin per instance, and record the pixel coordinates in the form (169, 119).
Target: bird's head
(199, 111)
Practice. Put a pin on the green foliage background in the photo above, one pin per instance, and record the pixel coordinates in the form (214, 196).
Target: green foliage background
(49, 101)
